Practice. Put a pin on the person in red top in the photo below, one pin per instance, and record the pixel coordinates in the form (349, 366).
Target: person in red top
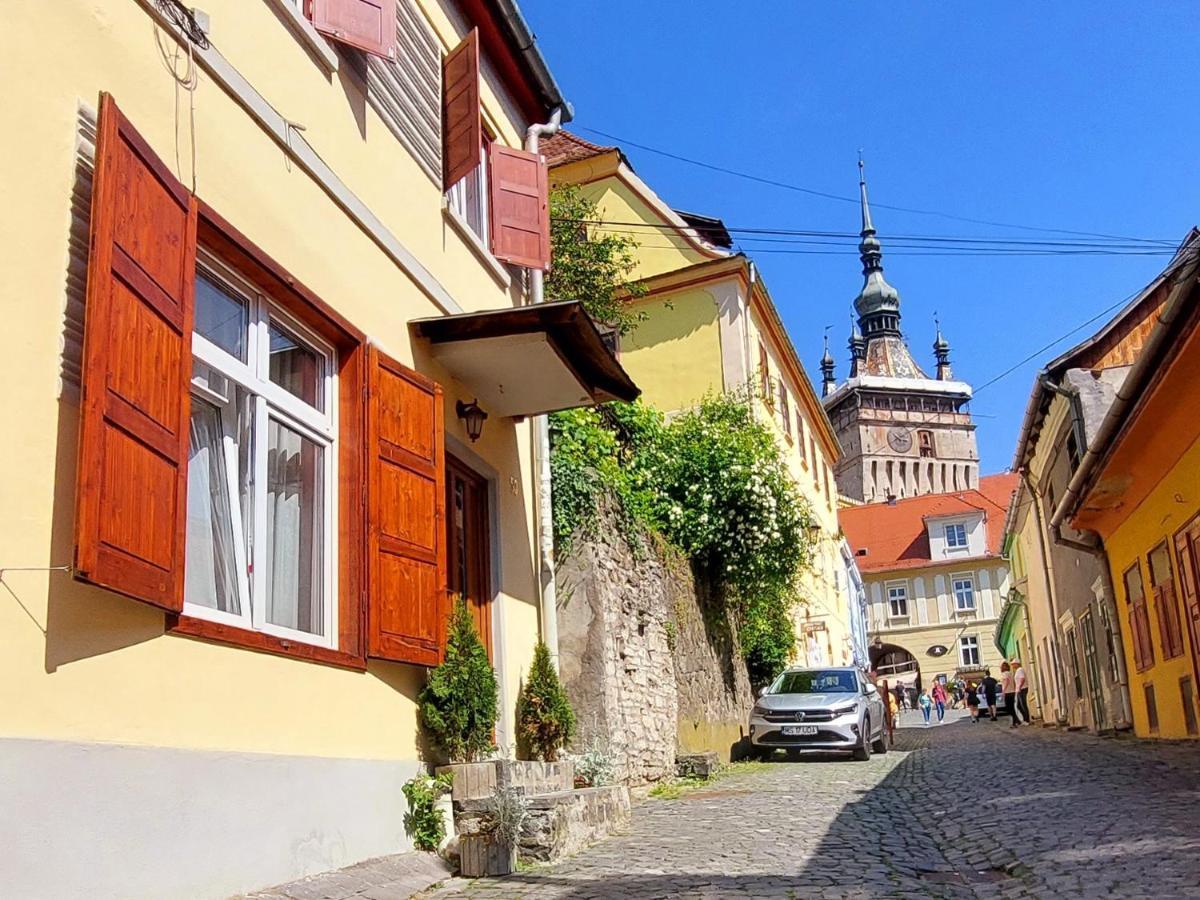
(939, 697)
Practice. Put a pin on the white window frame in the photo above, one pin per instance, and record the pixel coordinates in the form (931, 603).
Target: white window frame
(902, 597)
(954, 527)
(969, 580)
(963, 647)
(457, 199)
(271, 402)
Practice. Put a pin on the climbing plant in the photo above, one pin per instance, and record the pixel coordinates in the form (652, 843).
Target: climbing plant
(590, 264)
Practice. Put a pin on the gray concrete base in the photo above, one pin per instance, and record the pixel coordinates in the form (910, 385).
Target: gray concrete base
(387, 878)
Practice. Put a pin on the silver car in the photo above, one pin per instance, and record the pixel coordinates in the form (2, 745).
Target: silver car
(819, 709)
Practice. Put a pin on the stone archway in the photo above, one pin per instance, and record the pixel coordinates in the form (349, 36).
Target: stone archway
(895, 664)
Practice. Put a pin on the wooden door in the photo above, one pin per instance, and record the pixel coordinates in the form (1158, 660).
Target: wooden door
(468, 544)
(1187, 547)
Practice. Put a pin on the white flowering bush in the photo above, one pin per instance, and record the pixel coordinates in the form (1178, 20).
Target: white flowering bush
(711, 481)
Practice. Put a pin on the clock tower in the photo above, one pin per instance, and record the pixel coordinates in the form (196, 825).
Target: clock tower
(902, 432)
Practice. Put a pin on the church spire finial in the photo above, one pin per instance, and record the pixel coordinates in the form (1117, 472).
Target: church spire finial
(869, 248)
(941, 352)
(828, 382)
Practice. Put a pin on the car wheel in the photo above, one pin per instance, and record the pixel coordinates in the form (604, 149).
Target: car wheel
(880, 745)
(863, 751)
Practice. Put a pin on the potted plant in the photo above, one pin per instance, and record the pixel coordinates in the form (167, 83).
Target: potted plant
(491, 848)
(428, 814)
(459, 700)
(545, 721)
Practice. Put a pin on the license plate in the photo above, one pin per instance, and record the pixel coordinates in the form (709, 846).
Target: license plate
(798, 730)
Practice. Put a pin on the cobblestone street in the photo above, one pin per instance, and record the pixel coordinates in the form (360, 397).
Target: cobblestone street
(954, 811)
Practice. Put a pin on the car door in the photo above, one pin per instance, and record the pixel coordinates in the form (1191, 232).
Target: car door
(875, 707)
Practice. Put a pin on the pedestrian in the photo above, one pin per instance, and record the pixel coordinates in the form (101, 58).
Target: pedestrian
(973, 701)
(899, 698)
(1008, 684)
(890, 713)
(926, 705)
(1022, 683)
(938, 696)
(990, 685)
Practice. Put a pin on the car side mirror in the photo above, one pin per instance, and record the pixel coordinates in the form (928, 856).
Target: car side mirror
(871, 689)
(760, 691)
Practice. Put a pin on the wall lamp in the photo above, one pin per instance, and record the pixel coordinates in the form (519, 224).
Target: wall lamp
(473, 416)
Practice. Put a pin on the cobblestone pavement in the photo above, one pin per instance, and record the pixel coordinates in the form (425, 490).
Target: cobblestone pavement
(954, 811)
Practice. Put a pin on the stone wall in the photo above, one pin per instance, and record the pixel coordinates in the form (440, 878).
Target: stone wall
(650, 663)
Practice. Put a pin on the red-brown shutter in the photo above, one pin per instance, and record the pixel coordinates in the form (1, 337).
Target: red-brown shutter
(462, 123)
(369, 25)
(130, 515)
(520, 207)
(406, 515)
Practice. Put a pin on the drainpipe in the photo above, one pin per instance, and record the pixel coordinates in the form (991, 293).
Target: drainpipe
(541, 445)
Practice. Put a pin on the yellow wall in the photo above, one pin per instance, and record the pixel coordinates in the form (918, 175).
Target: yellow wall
(675, 355)
(81, 663)
(1156, 519)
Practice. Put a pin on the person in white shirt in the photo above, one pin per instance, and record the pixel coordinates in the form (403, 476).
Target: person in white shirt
(1022, 685)
(1008, 684)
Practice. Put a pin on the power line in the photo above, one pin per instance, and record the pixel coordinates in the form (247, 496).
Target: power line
(844, 199)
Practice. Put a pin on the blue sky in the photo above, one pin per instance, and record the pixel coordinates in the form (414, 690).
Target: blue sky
(1068, 115)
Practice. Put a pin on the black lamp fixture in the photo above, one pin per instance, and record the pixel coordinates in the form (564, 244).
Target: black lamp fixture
(473, 416)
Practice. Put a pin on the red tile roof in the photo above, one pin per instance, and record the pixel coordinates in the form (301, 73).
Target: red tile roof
(895, 537)
(564, 147)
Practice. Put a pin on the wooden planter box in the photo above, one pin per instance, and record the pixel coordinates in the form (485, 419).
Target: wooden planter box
(481, 855)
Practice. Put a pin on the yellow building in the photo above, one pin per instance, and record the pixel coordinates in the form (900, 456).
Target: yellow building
(710, 325)
(1138, 489)
(242, 399)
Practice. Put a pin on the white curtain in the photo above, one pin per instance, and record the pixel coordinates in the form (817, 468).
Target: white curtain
(211, 570)
(294, 490)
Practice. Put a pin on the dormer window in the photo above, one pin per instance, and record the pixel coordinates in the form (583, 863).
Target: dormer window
(956, 536)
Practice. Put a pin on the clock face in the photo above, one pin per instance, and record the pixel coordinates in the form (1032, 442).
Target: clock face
(900, 439)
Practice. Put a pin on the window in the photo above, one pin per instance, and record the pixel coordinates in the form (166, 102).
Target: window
(1139, 620)
(1073, 652)
(785, 409)
(1166, 606)
(1110, 642)
(800, 437)
(898, 601)
(813, 459)
(1073, 450)
(764, 375)
(828, 488)
(956, 536)
(261, 467)
(964, 593)
(1151, 707)
(925, 442)
(968, 651)
(468, 197)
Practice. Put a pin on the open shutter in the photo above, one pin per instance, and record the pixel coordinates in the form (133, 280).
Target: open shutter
(406, 515)
(369, 25)
(137, 364)
(462, 122)
(520, 206)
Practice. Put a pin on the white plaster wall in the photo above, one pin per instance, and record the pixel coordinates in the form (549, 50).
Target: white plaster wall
(118, 821)
(920, 601)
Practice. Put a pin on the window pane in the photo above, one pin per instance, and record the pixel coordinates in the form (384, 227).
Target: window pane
(295, 367)
(221, 316)
(295, 515)
(211, 578)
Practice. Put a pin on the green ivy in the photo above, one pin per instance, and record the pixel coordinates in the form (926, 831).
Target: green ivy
(713, 483)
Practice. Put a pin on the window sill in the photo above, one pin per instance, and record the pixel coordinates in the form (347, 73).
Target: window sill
(303, 29)
(191, 626)
(464, 231)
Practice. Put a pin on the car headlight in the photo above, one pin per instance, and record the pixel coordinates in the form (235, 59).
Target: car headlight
(759, 710)
(843, 710)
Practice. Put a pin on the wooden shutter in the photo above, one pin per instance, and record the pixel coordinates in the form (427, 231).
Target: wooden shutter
(137, 364)
(520, 206)
(369, 25)
(462, 124)
(406, 515)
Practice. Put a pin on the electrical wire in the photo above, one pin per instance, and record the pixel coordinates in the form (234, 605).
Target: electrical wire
(845, 199)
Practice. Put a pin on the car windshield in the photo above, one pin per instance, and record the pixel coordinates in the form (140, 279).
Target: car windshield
(818, 682)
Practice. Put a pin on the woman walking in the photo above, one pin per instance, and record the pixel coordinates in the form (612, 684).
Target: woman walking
(973, 701)
(890, 712)
(1008, 684)
(938, 694)
(926, 705)
(1022, 683)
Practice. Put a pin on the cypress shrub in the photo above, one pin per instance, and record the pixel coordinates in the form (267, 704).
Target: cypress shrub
(545, 721)
(459, 700)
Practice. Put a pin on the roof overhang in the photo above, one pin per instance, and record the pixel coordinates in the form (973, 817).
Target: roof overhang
(932, 386)
(529, 359)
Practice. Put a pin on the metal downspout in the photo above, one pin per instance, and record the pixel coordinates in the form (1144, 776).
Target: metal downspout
(541, 448)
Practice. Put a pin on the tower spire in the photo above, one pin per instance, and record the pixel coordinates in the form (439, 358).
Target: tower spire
(828, 382)
(941, 352)
(869, 249)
